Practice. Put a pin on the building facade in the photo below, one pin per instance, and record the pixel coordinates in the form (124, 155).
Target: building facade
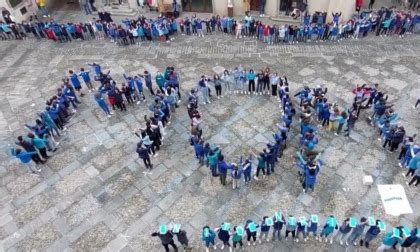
(22, 9)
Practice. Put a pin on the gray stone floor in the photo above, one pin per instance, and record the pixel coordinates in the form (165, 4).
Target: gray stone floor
(93, 194)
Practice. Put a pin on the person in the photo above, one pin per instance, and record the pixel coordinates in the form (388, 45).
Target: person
(278, 225)
(328, 229)
(223, 167)
(251, 232)
(413, 165)
(86, 78)
(212, 158)
(290, 227)
(416, 178)
(344, 229)
(218, 86)
(262, 7)
(351, 121)
(144, 154)
(40, 144)
(208, 236)
(224, 235)
(237, 237)
(251, 81)
(29, 148)
(199, 151)
(236, 176)
(301, 228)
(371, 234)
(25, 157)
(102, 104)
(75, 82)
(85, 5)
(265, 229)
(391, 239)
(261, 165)
(247, 170)
(313, 226)
(357, 232)
(411, 239)
(311, 172)
(204, 88)
(181, 235)
(166, 237)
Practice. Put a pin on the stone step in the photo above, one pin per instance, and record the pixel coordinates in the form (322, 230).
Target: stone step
(286, 19)
(120, 10)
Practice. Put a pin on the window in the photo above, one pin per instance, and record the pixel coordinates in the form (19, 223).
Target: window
(15, 3)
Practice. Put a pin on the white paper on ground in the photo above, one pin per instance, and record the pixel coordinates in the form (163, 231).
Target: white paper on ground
(394, 199)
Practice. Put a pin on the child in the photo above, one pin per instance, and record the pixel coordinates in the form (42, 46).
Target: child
(251, 232)
(278, 225)
(343, 231)
(208, 237)
(237, 237)
(265, 229)
(328, 229)
(357, 232)
(224, 235)
(291, 227)
(313, 226)
(86, 79)
(247, 168)
(236, 176)
(341, 119)
(261, 165)
(199, 151)
(301, 228)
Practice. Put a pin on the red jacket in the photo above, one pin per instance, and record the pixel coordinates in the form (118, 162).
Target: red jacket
(359, 3)
(266, 31)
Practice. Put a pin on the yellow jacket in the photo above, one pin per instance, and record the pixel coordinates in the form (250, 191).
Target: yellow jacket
(41, 3)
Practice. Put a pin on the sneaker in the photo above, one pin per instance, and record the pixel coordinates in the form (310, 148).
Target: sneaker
(138, 102)
(341, 242)
(316, 238)
(209, 102)
(347, 243)
(331, 241)
(336, 134)
(259, 241)
(297, 240)
(109, 116)
(255, 177)
(221, 96)
(268, 239)
(355, 243)
(400, 165)
(214, 247)
(254, 243)
(204, 103)
(326, 240)
(218, 97)
(249, 244)
(404, 175)
(304, 240)
(156, 155)
(223, 246)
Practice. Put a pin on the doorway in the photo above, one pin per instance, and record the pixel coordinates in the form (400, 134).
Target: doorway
(197, 5)
(255, 5)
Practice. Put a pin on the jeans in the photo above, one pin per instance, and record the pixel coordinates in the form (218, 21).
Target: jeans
(223, 178)
(352, 237)
(86, 8)
(247, 176)
(262, 6)
(259, 86)
(277, 231)
(209, 242)
(205, 93)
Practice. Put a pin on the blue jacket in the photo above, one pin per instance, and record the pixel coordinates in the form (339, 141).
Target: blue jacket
(264, 227)
(75, 81)
(25, 157)
(85, 76)
(238, 174)
(199, 149)
(223, 166)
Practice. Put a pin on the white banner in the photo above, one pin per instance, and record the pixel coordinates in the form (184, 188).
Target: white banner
(394, 199)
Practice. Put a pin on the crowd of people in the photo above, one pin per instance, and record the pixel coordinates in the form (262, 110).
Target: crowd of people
(383, 22)
(350, 231)
(36, 146)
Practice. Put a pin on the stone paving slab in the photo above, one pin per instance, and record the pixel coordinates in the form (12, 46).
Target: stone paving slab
(93, 193)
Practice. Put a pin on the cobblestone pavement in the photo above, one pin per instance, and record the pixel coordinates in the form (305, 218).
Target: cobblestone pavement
(93, 194)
